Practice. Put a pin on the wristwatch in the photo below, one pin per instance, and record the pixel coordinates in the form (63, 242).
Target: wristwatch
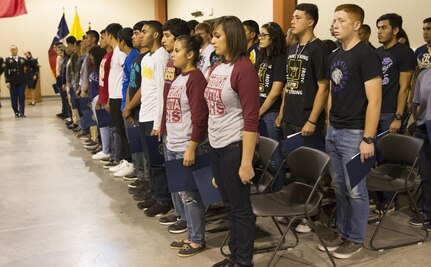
(398, 117)
(368, 140)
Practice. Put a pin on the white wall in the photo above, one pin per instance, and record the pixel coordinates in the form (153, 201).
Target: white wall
(413, 13)
(258, 10)
(35, 30)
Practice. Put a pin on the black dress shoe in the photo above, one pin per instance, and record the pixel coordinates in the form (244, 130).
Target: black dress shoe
(16, 115)
(60, 115)
(224, 263)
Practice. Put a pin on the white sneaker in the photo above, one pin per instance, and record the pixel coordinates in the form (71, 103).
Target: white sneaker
(99, 155)
(303, 227)
(126, 170)
(122, 164)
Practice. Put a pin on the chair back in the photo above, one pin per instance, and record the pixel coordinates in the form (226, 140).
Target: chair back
(398, 148)
(263, 178)
(307, 164)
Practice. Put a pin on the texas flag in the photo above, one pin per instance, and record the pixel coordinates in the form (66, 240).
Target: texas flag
(62, 32)
(12, 8)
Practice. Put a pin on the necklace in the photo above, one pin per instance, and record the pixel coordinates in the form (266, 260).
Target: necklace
(302, 50)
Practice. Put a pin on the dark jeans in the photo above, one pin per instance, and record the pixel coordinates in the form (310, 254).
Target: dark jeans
(64, 103)
(158, 179)
(225, 163)
(425, 170)
(17, 97)
(117, 117)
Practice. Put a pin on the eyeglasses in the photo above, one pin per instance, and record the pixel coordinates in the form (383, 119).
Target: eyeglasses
(263, 35)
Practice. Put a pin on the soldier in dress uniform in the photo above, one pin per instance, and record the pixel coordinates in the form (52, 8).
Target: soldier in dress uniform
(16, 80)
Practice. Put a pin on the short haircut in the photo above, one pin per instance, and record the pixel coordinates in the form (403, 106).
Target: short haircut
(252, 26)
(356, 11)
(125, 34)
(192, 24)
(204, 26)
(138, 25)
(93, 34)
(78, 43)
(310, 10)
(71, 40)
(157, 27)
(366, 28)
(191, 43)
(236, 41)
(113, 29)
(103, 31)
(427, 20)
(177, 27)
(58, 43)
(395, 20)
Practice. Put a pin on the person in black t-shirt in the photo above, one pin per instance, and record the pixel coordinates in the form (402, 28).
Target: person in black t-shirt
(398, 65)
(307, 86)
(354, 104)
(271, 69)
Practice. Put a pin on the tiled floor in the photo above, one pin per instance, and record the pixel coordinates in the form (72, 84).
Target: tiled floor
(59, 208)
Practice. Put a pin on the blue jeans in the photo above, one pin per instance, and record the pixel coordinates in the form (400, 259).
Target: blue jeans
(17, 97)
(352, 203)
(225, 163)
(194, 209)
(425, 170)
(276, 134)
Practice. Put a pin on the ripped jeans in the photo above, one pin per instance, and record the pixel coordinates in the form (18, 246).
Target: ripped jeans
(194, 208)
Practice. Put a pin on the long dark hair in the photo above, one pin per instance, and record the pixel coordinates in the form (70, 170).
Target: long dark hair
(277, 46)
(97, 53)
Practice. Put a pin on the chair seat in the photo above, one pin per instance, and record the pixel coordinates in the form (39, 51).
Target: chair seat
(286, 203)
(388, 177)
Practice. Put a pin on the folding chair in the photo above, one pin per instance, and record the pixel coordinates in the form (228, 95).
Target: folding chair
(396, 173)
(298, 199)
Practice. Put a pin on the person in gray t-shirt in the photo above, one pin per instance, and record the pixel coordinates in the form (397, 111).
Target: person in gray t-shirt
(421, 111)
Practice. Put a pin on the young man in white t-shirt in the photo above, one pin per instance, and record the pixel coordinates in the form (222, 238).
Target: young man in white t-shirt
(204, 64)
(153, 67)
(121, 145)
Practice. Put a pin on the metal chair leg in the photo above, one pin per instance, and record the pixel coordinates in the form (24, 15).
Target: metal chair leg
(280, 242)
(313, 226)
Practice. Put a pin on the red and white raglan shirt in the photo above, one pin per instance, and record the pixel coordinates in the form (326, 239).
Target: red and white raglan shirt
(232, 95)
(186, 111)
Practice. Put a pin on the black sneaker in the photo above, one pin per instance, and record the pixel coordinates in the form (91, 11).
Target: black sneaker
(139, 189)
(416, 221)
(168, 219)
(142, 195)
(146, 204)
(380, 208)
(106, 160)
(178, 227)
(111, 164)
(130, 177)
(177, 244)
(137, 183)
(187, 250)
(157, 210)
(347, 249)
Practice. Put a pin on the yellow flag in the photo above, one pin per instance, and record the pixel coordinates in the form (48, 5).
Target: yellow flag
(76, 29)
